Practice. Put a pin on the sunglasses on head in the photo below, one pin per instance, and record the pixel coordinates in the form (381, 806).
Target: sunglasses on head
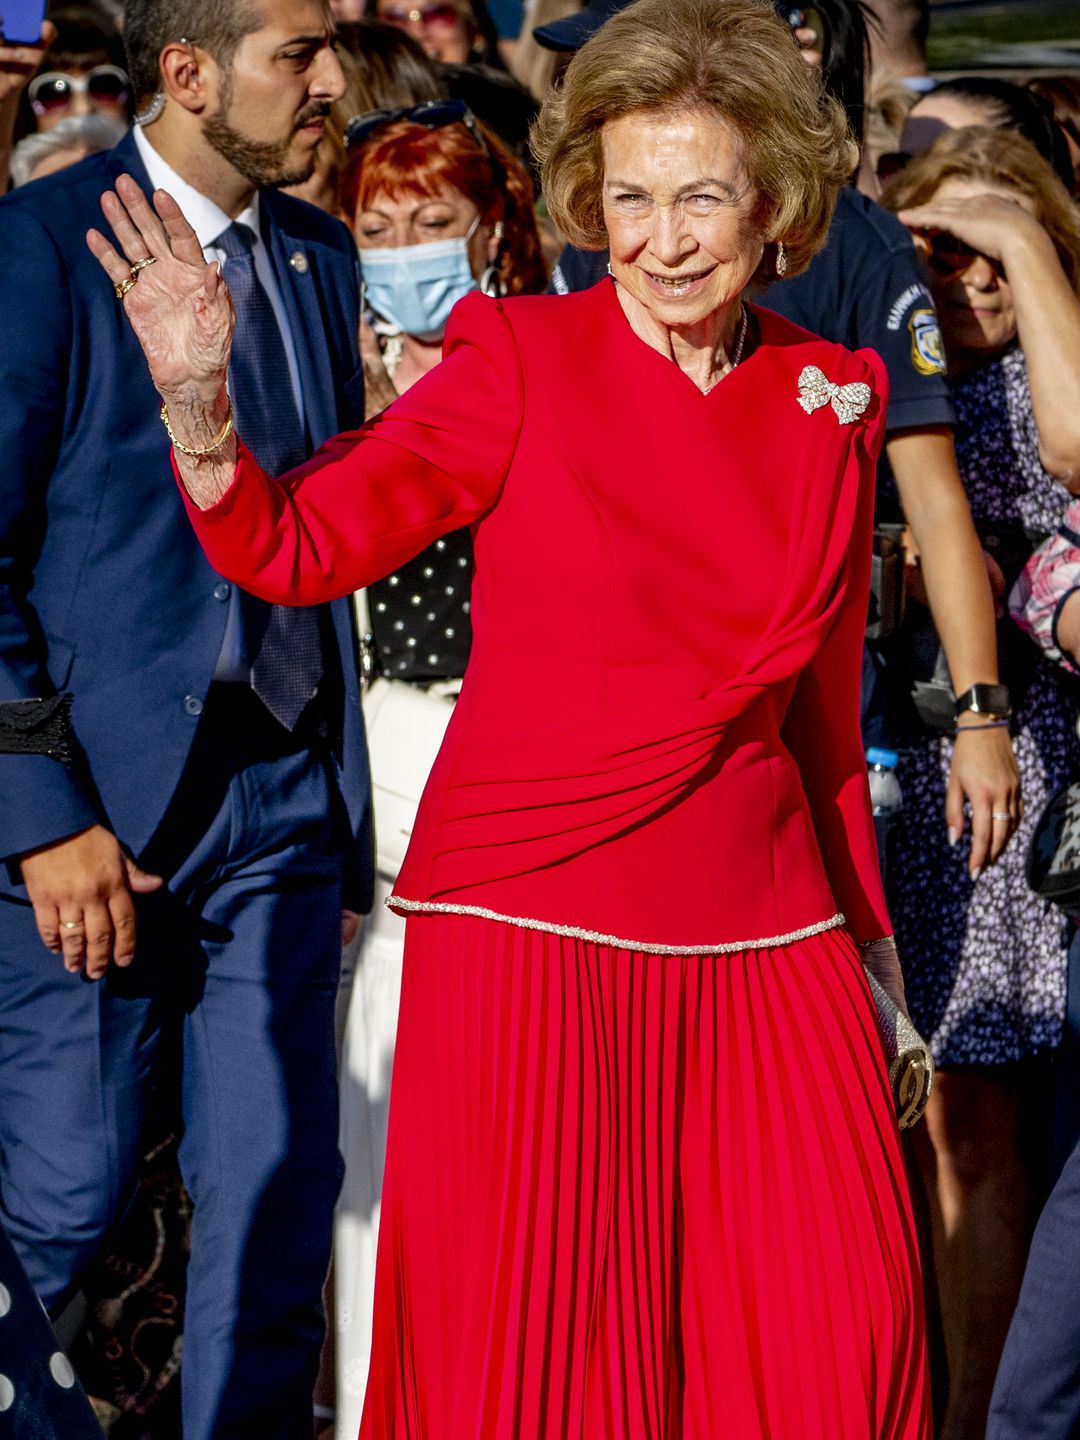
(431, 114)
(947, 256)
(438, 15)
(53, 92)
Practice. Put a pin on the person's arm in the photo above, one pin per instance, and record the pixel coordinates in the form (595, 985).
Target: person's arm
(936, 508)
(1047, 313)
(73, 868)
(17, 65)
(365, 502)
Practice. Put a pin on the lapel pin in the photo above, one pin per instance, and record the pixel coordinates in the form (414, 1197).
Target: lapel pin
(299, 262)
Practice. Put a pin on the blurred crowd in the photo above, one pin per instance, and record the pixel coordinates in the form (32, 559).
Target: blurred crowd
(956, 255)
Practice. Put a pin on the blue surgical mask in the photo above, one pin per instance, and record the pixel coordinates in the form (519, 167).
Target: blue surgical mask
(414, 287)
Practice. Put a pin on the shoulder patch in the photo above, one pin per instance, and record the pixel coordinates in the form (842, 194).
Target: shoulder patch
(927, 346)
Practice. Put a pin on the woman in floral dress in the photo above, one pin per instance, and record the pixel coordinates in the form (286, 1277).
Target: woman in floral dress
(985, 958)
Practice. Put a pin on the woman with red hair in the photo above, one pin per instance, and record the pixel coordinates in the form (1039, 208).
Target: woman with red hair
(439, 207)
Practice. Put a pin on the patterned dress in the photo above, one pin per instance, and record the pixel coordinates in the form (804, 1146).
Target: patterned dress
(985, 962)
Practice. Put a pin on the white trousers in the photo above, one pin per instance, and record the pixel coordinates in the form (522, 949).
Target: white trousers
(367, 1055)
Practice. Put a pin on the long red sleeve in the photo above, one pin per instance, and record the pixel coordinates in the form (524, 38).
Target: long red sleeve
(370, 500)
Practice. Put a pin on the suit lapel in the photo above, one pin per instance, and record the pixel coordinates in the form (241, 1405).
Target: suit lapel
(124, 159)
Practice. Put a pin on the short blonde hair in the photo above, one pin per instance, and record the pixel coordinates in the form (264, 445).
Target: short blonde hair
(730, 58)
(995, 157)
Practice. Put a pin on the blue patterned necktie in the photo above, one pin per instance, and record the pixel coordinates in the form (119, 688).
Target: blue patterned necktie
(282, 641)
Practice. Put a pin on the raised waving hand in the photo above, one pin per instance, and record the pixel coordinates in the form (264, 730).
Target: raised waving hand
(180, 309)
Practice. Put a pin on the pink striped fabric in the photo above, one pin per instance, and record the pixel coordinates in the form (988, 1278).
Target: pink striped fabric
(638, 1196)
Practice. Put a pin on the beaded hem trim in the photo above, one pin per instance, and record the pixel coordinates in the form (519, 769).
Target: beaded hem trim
(576, 932)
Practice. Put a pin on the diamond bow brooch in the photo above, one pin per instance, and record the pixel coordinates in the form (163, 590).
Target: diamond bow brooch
(848, 401)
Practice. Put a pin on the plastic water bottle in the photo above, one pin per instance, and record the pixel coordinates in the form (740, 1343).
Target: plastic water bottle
(886, 799)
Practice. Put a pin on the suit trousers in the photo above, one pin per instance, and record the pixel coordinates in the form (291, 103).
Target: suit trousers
(1037, 1392)
(241, 954)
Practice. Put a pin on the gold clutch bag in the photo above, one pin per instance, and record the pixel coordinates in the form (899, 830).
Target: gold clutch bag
(907, 1057)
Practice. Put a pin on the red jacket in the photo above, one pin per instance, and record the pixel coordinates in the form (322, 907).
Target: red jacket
(657, 742)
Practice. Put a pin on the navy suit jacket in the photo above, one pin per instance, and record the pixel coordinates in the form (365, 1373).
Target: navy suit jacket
(104, 590)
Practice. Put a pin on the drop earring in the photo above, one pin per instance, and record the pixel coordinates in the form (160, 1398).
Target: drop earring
(781, 259)
(491, 282)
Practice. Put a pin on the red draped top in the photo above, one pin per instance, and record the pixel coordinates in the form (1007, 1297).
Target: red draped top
(657, 742)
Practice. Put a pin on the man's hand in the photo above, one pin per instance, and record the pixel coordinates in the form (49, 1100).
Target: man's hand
(350, 924)
(81, 891)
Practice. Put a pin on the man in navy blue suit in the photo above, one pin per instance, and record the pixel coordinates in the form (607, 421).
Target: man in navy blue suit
(183, 849)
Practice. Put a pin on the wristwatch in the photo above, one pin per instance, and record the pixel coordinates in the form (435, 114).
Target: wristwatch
(990, 700)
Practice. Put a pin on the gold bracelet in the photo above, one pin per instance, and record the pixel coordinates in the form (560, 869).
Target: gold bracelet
(226, 431)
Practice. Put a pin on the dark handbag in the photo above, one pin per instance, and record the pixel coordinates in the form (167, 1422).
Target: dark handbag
(1053, 858)
(37, 727)
(931, 686)
(886, 612)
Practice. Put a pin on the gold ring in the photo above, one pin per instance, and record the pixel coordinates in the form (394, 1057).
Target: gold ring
(125, 285)
(72, 924)
(143, 263)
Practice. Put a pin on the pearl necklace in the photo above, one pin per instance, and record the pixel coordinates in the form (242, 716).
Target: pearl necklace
(738, 351)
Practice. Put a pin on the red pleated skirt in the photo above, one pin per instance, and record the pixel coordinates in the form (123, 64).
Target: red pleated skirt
(641, 1197)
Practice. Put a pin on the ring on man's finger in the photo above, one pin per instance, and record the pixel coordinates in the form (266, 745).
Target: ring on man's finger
(143, 263)
(72, 924)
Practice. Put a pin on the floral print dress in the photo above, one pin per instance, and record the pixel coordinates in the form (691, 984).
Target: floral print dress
(985, 961)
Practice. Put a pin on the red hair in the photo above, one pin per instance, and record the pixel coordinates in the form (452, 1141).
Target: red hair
(409, 159)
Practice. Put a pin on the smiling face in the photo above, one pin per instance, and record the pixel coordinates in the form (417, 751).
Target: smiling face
(975, 304)
(274, 97)
(681, 215)
(393, 221)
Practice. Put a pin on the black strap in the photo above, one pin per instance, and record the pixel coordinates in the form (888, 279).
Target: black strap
(38, 727)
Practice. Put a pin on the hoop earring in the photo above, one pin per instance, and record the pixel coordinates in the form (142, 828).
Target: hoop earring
(492, 283)
(781, 259)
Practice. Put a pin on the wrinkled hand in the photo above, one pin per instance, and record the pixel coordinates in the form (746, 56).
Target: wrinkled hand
(18, 63)
(988, 223)
(984, 773)
(881, 959)
(81, 891)
(180, 307)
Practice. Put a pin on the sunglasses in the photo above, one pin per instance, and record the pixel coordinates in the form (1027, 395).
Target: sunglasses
(53, 92)
(443, 16)
(431, 114)
(948, 257)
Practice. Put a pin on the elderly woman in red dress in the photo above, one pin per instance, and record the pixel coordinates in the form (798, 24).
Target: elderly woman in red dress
(643, 1175)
